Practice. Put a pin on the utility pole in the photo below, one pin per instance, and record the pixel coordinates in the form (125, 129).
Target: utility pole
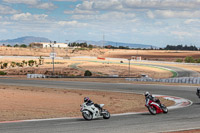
(53, 54)
(129, 69)
(103, 39)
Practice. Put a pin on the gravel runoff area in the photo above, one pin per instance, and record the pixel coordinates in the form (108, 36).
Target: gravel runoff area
(21, 103)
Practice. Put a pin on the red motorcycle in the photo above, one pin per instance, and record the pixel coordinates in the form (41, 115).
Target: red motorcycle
(154, 108)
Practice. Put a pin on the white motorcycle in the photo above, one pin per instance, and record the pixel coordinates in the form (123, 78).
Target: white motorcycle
(90, 112)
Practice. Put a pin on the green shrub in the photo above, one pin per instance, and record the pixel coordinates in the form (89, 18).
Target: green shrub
(23, 46)
(87, 73)
(5, 65)
(2, 73)
(189, 59)
(16, 45)
(31, 62)
(179, 60)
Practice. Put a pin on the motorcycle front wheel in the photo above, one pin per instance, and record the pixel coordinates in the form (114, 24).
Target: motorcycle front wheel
(152, 110)
(106, 114)
(87, 115)
(164, 108)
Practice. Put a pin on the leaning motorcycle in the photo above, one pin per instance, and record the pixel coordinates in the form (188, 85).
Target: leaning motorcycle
(154, 108)
(198, 92)
(90, 112)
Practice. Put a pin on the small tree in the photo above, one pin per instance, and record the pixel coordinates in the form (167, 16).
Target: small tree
(198, 60)
(35, 62)
(23, 63)
(18, 64)
(2, 73)
(13, 64)
(31, 62)
(90, 46)
(179, 60)
(87, 73)
(16, 45)
(23, 46)
(5, 65)
(1, 64)
(41, 60)
(189, 59)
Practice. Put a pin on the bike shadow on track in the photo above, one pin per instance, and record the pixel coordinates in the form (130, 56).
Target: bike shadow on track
(82, 119)
(197, 103)
(148, 114)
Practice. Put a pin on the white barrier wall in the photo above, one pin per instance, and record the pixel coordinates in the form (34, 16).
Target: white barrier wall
(187, 80)
(35, 76)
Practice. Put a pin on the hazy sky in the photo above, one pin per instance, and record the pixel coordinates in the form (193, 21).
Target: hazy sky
(155, 22)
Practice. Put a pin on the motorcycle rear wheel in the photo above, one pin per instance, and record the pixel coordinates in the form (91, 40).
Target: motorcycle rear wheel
(87, 116)
(152, 110)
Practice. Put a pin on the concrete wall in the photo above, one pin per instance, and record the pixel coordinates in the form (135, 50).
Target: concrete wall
(35, 76)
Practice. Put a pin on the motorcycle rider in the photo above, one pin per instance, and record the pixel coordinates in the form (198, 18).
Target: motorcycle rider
(198, 92)
(89, 103)
(149, 97)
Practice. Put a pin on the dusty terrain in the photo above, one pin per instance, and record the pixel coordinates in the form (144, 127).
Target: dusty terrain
(98, 67)
(164, 55)
(19, 103)
(159, 55)
(70, 67)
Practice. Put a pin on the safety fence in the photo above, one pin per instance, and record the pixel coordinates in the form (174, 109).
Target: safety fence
(186, 80)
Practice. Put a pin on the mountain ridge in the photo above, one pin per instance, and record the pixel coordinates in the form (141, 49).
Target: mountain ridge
(24, 40)
(29, 39)
(116, 44)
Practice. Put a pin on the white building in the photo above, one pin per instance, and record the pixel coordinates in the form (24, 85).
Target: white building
(48, 45)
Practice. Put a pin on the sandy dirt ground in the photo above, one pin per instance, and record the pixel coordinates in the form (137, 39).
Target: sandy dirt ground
(159, 55)
(19, 103)
(166, 55)
(77, 68)
(123, 70)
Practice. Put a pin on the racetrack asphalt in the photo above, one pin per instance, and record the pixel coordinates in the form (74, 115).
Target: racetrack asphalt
(181, 72)
(183, 118)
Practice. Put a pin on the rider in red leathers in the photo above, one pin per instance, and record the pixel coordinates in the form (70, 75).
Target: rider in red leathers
(149, 97)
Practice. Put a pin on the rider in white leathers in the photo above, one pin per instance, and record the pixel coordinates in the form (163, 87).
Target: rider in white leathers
(89, 102)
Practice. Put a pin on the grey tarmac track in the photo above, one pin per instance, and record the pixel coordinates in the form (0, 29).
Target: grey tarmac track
(182, 118)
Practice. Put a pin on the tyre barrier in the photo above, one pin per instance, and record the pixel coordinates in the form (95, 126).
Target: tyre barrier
(186, 80)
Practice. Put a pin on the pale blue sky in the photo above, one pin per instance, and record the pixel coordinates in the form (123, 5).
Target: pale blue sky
(154, 22)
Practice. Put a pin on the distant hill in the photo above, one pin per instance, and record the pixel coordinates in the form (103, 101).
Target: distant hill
(29, 39)
(24, 40)
(116, 44)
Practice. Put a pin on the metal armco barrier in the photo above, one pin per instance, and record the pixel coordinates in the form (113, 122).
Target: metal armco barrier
(186, 80)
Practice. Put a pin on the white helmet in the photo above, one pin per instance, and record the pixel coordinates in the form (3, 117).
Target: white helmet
(146, 93)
